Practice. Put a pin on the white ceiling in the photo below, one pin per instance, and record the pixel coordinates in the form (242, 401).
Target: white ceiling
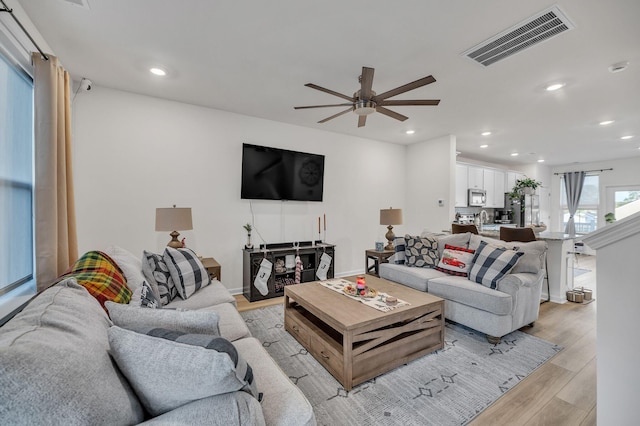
(254, 57)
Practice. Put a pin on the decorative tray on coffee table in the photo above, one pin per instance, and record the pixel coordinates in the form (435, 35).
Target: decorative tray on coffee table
(368, 292)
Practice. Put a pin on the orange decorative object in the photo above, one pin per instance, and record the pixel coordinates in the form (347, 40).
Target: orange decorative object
(360, 280)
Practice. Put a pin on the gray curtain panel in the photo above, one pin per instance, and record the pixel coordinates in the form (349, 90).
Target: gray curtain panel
(573, 182)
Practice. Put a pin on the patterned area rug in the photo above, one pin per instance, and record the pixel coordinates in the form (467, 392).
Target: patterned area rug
(447, 387)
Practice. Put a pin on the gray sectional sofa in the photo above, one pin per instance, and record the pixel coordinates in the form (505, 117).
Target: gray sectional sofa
(57, 367)
(513, 304)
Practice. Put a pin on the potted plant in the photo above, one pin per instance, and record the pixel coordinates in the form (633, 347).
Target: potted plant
(248, 228)
(526, 186)
(610, 217)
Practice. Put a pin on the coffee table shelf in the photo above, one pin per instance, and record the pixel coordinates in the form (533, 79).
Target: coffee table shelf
(355, 342)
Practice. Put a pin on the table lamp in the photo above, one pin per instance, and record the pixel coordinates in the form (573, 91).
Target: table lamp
(174, 219)
(390, 217)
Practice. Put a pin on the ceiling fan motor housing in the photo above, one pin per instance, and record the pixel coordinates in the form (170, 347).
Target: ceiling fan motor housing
(362, 107)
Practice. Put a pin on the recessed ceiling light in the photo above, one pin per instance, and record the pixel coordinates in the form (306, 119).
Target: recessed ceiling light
(484, 146)
(624, 138)
(555, 86)
(158, 71)
(541, 161)
(606, 122)
(485, 133)
(410, 132)
(514, 154)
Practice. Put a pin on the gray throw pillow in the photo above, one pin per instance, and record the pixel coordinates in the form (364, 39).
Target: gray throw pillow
(193, 367)
(187, 271)
(136, 318)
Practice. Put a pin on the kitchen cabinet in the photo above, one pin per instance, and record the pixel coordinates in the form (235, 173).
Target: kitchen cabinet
(462, 175)
(498, 190)
(476, 177)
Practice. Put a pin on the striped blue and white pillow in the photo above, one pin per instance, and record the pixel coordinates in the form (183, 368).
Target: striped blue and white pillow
(490, 264)
(187, 271)
(399, 245)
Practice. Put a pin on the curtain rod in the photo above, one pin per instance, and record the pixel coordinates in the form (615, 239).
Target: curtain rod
(586, 171)
(24, 30)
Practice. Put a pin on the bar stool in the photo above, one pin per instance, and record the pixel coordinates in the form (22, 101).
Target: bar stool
(524, 235)
(457, 228)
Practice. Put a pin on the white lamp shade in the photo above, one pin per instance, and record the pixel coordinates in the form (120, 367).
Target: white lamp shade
(173, 219)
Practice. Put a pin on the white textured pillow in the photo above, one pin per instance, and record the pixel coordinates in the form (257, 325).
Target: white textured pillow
(187, 271)
(193, 367)
(131, 266)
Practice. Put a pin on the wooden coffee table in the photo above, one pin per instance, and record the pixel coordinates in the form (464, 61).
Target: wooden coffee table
(355, 342)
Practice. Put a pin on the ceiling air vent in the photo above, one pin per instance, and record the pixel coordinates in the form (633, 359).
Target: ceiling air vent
(540, 27)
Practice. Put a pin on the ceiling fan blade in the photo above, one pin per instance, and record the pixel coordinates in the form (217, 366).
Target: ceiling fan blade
(331, 92)
(366, 82)
(321, 106)
(336, 115)
(405, 88)
(362, 119)
(432, 102)
(391, 114)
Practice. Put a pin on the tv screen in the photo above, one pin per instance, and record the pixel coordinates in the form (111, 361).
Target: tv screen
(280, 174)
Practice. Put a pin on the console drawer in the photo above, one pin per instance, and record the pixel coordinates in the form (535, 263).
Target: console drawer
(327, 355)
(297, 330)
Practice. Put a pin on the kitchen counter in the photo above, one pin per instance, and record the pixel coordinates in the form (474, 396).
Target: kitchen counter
(559, 236)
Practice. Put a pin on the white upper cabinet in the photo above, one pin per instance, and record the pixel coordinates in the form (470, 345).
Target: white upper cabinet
(476, 177)
(461, 185)
(498, 189)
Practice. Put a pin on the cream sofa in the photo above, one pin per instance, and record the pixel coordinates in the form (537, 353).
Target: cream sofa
(513, 304)
(57, 367)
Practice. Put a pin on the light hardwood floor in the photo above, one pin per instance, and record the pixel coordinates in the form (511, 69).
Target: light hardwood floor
(563, 390)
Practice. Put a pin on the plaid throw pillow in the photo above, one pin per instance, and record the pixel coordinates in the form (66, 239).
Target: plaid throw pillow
(187, 271)
(101, 276)
(455, 260)
(490, 264)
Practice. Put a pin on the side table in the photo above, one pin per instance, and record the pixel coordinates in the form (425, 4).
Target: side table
(213, 268)
(378, 257)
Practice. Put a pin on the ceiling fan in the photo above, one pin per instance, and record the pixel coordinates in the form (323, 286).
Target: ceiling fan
(365, 101)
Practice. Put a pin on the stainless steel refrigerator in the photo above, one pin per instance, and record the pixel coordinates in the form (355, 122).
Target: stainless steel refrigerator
(525, 210)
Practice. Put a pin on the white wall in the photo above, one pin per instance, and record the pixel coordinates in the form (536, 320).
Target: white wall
(134, 153)
(430, 176)
(625, 172)
(618, 374)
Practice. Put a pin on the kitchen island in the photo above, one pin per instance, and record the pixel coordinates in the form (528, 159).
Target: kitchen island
(559, 252)
(560, 249)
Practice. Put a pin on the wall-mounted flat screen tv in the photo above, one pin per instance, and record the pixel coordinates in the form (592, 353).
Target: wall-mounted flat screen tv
(280, 174)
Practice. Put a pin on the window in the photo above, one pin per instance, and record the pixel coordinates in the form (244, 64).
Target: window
(623, 201)
(17, 283)
(586, 217)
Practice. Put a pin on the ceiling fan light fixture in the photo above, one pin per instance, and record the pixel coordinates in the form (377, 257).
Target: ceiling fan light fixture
(364, 107)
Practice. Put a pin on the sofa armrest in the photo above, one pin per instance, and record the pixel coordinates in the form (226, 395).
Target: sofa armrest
(519, 280)
(237, 408)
